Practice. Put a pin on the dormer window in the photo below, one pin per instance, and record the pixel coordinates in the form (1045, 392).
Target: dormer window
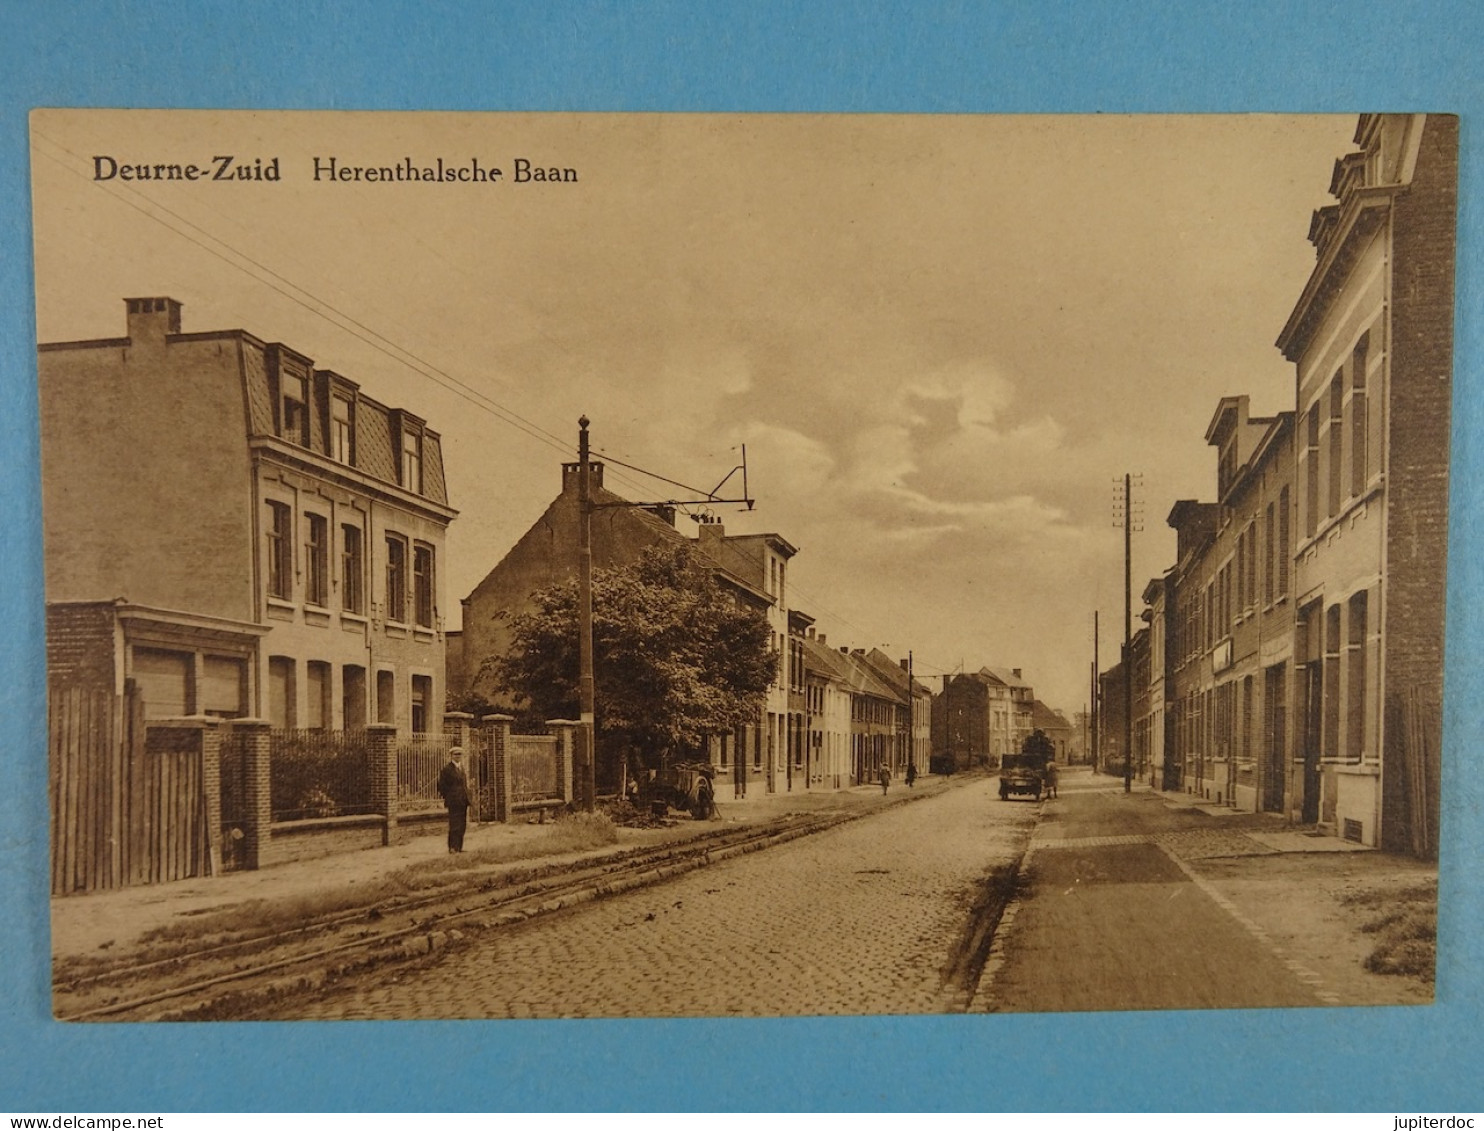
(412, 460)
(342, 443)
(294, 408)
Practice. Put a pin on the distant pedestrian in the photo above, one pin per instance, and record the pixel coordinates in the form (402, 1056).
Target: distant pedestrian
(911, 774)
(453, 787)
(885, 778)
(1050, 779)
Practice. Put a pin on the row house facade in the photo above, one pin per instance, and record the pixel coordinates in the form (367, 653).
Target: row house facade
(760, 561)
(1163, 768)
(864, 711)
(828, 744)
(1234, 622)
(1371, 341)
(1304, 616)
(233, 532)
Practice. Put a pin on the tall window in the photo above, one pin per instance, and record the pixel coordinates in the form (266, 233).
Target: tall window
(1336, 440)
(422, 702)
(396, 578)
(353, 696)
(282, 695)
(317, 710)
(1283, 553)
(1359, 449)
(1355, 676)
(1270, 544)
(352, 569)
(1311, 460)
(340, 430)
(316, 560)
(386, 696)
(280, 551)
(422, 583)
(293, 408)
(412, 460)
(1331, 744)
(1251, 564)
(1241, 571)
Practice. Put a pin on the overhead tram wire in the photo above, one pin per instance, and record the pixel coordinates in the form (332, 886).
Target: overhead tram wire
(303, 297)
(341, 320)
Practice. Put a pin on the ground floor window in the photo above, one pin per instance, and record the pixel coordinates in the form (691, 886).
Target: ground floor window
(386, 697)
(353, 696)
(422, 703)
(164, 680)
(282, 693)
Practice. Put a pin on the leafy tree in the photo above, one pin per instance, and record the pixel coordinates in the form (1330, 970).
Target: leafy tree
(676, 658)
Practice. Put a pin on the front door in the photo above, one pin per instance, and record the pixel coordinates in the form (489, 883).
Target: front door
(1275, 756)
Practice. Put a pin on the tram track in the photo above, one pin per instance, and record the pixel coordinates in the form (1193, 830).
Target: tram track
(205, 980)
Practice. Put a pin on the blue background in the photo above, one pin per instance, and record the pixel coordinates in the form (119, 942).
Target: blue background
(1047, 56)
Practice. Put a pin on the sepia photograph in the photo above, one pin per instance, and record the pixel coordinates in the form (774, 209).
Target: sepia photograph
(640, 565)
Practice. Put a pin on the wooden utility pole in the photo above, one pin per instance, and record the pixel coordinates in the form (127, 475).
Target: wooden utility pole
(586, 766)
(1128, 633)
(1097, 734)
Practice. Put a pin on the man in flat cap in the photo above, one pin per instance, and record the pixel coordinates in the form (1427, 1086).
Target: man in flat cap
(453, 787)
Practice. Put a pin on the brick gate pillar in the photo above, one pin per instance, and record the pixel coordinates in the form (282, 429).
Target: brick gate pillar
(381, 754)
(257, 754)
(211, 786)
(497, 727)
(458, 728)
(566, 735)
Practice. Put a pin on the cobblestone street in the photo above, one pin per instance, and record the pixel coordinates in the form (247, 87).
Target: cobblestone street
(860, 919)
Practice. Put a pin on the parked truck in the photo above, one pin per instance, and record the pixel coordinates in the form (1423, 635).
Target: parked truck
(1032, 771)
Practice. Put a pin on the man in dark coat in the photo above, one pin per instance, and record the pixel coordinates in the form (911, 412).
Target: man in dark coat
(453, 787)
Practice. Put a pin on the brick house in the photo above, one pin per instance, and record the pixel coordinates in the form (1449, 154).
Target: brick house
(827, 683)
(237, 532)
(1371, 339)
(981, 716)
(1234, 629)
(752, 567)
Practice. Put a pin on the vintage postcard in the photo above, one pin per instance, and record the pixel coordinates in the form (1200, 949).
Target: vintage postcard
(668, 565)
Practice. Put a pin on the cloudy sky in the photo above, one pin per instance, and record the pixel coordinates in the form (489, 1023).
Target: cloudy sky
(940, 338)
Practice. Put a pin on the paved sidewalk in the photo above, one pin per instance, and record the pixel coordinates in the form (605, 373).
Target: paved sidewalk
(1152, 900)
(116, 920)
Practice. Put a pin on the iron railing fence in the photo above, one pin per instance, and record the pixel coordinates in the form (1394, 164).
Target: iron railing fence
(532, 759)
(319, 773)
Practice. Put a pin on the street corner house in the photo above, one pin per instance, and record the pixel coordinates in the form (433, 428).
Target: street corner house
(1294, 657)
(230, 533)
(751, 568)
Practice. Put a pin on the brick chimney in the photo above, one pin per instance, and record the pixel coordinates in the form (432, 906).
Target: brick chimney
(569, 475)
(150, 319)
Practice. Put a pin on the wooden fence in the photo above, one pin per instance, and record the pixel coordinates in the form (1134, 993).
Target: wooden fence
(128, 805)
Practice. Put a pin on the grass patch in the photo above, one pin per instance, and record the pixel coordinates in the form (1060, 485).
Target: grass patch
(578, 832)
(1405, 923)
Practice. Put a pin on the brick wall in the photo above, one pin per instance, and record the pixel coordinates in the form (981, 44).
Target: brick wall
(79, 646)
(1421, 355)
